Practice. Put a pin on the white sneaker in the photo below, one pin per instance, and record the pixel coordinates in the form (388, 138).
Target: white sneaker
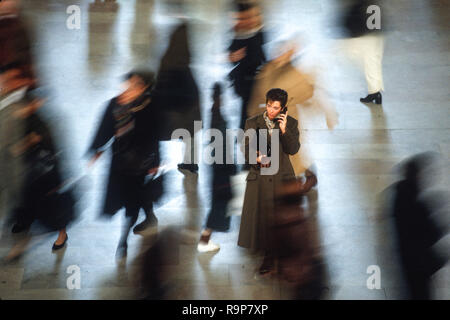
(209, 247)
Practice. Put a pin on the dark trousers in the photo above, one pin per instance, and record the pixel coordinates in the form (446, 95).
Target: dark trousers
(244, 89)
(217, 217)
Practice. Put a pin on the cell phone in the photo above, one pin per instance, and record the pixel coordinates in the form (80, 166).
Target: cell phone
(283, 111)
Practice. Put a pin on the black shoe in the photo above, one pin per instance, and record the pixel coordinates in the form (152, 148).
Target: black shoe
(374, 97)
(191, 167)
(17, 228)
(148, 222)
(59, 246)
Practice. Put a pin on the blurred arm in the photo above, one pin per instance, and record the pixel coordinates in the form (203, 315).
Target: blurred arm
(104, 133)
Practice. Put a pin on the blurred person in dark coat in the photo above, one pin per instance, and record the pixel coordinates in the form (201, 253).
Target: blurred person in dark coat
(246, 52)
(42, 199)
(258, 209)
(295, 244)
(14, 84)
(176, 93)
(217, 219)
(415, 209)
(159, 254)
(132, 121)
(41, 194)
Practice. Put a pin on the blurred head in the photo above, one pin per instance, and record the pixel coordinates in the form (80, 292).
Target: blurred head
(13, 78)
(248, 17)
(422, 170)
(276, 100)
(9, 7)
(136, 83)
(178, 54)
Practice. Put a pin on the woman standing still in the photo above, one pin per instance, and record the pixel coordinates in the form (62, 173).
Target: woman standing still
(259, 200)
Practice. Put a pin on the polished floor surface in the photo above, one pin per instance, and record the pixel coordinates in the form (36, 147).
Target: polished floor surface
(81, 70)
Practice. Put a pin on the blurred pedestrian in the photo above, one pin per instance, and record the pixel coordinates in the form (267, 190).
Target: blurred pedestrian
(221, 193)
(160, 253)
(414, 210)
(131, 120)
(295, 247)
(40, 193)
(15, 85)
(246, 52)
(177, 95)
(365, 45)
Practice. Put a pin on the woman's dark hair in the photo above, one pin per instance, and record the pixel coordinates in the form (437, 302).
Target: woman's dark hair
(277, 94)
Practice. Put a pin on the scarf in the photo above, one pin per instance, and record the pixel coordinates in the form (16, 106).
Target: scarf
(269, 123)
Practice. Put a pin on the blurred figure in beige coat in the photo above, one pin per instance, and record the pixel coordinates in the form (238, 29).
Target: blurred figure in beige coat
(306, 101)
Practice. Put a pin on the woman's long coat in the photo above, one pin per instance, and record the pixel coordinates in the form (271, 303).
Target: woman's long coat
(259, 199)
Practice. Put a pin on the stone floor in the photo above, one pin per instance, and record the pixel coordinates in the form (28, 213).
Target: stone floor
(81, 70)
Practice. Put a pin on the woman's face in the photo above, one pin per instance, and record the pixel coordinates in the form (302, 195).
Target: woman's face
(273, 109)
(134, 87)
